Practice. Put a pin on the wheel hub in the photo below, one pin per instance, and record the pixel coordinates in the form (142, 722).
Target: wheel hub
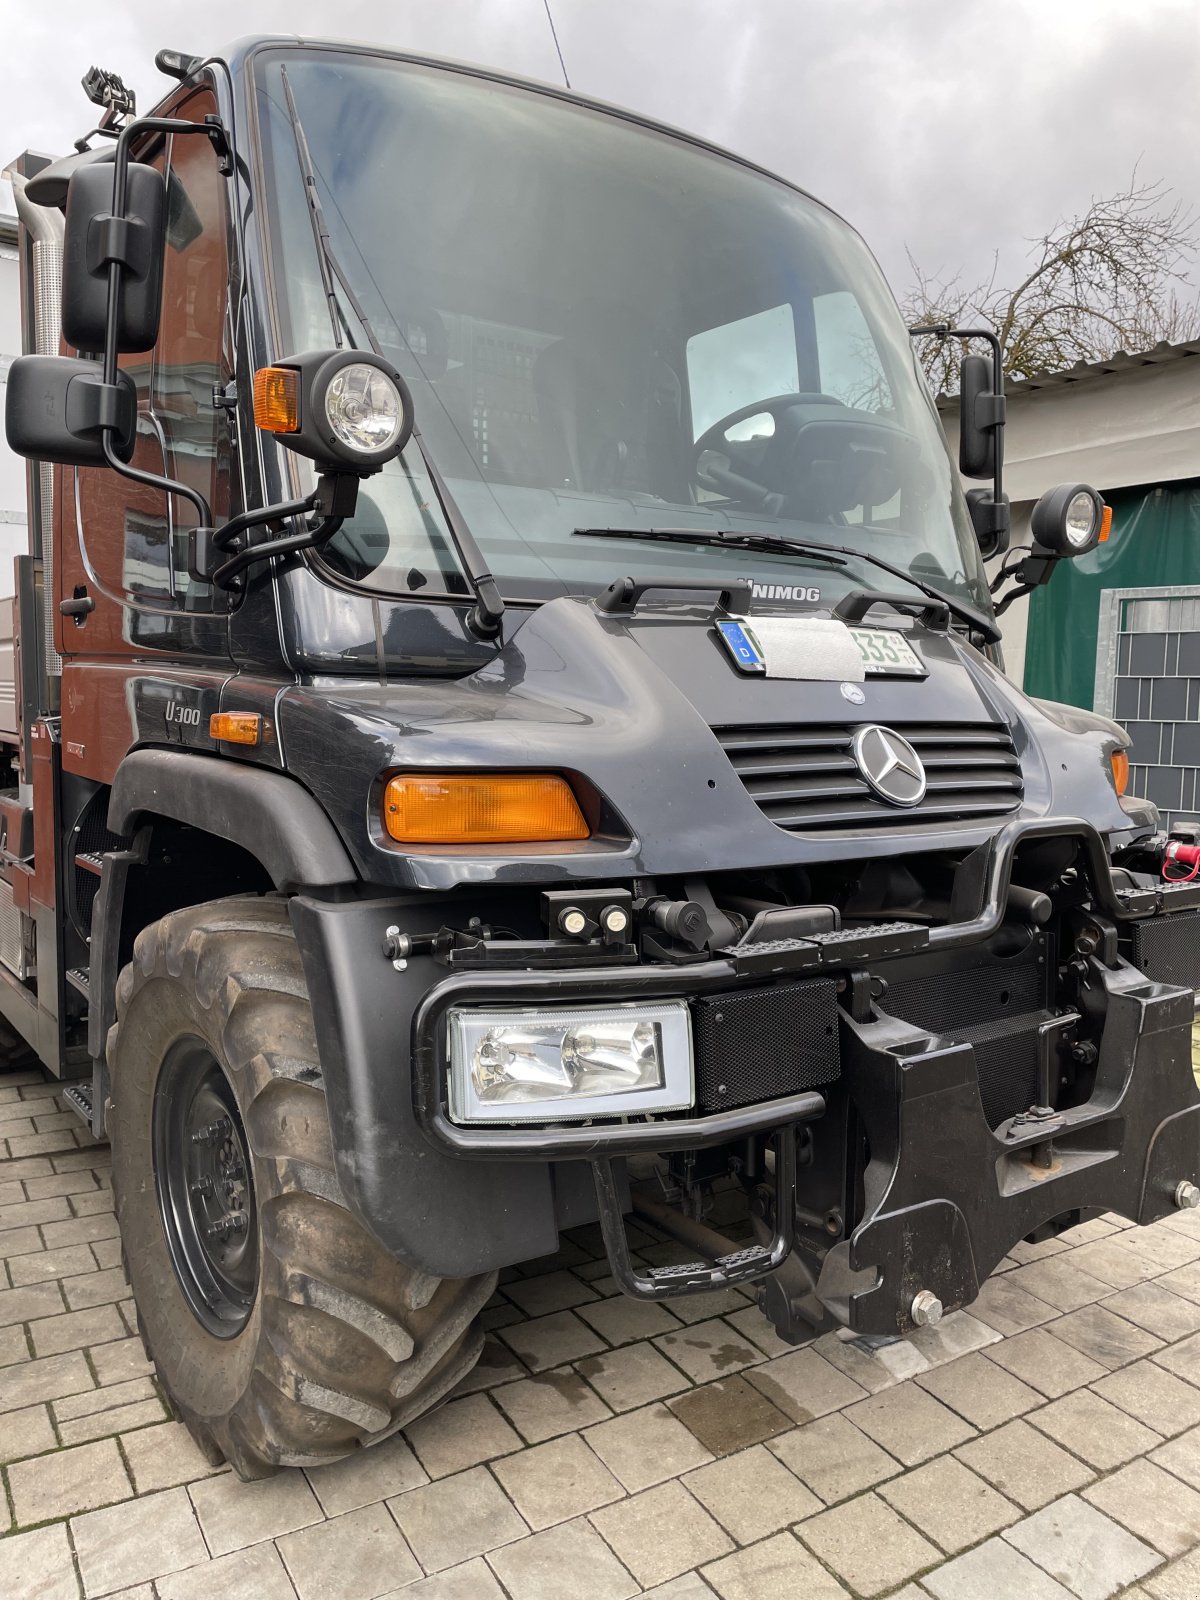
(205, 1189)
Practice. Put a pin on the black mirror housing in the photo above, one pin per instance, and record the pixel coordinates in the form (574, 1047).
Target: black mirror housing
(981, 416)
(990, 519)
(57, 409)
(94, 238)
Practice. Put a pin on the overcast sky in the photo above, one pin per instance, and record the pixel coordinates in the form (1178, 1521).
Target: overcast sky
(952, 127)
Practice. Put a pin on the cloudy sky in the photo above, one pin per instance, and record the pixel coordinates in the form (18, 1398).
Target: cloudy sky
(952, 127)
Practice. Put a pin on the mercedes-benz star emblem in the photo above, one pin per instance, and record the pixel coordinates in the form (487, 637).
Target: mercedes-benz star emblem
(890, 765)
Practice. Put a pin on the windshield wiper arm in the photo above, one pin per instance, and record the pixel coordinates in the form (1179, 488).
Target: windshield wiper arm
(485, 619)
(775, 544)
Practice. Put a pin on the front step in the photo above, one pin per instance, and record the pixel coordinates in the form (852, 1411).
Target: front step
(78, 1096)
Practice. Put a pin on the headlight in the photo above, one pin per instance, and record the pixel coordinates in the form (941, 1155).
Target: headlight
(526, 1065)
(363, 407)
(1069, 520)
(1082, 520)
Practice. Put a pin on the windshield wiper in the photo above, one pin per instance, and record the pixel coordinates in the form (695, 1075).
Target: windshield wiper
(485, 619)
(835, 555)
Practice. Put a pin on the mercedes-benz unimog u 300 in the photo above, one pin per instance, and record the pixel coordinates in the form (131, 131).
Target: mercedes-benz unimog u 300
(510, 730)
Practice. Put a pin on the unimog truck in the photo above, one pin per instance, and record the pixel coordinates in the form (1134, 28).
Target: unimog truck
(508, 730)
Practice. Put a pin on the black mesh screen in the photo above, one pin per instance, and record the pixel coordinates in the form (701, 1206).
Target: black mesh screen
(1167, 949)
(761, 1043)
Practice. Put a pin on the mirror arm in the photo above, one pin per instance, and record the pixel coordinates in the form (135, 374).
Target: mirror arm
(228, 574)
(153, 481)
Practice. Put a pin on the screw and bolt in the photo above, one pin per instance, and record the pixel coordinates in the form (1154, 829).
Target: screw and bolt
(1187, 1196)
(926, 1309)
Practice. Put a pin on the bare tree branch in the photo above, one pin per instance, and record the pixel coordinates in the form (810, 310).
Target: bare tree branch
(1103, 281)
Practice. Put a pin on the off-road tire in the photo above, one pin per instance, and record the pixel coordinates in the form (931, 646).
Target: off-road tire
(343, 1345)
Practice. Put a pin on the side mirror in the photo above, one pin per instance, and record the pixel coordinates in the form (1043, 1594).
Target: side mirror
(58, 408)
(95, 238)
(981, 415)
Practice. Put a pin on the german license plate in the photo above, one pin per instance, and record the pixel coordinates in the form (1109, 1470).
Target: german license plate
(886, 650)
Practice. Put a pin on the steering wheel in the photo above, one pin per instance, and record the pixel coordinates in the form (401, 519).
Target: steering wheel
(744, 478)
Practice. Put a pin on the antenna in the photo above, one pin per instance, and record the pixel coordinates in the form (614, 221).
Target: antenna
(557, 47)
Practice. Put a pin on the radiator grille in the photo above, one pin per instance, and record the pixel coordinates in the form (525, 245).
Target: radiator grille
(805, 778)
(765, 1042)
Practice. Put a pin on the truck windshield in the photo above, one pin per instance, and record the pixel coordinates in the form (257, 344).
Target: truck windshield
(604, 326)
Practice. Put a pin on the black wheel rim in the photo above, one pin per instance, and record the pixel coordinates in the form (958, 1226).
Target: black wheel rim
(205, 1188)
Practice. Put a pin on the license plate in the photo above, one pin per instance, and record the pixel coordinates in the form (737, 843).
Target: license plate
(886, 650)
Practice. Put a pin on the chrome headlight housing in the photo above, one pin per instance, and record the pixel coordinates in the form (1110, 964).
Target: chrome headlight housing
(528, 1064)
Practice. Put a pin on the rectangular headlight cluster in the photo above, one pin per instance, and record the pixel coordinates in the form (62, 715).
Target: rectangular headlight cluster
(518, 1064)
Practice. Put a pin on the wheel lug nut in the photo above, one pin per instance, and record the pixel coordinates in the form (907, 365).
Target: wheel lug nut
(203, 1187)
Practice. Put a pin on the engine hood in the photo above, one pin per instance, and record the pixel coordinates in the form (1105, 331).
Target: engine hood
(647, 710)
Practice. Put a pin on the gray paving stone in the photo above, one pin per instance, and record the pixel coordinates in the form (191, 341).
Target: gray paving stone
(14, 1346)
(26, 1433)
(20, 1242)
(38, 1566)
(660, 1533)
(621, 1320)
(557, 1481)
(31, 1213)
(1005, 1306)
(32, 1381)
(872, 1368)
(1179, 1581)
(358, 1556)
(1152, 1395)
(777, 1569)
(1157, 1309)
(1087, 1425)
(550, 1341)
(496, 1365)
(993, 1571)
(46, 1265)
(708, 1350)
(1059, 1282)
(1105, 1337)
(954, 1336)
(80, 1230)
(137, 1541)
(383, 1470)
(163, 1457)
(1167, 1248)
(753, 1326)
(729, 1415)
(645, 1447)
(752, 1494)
(1153, 1504)
(909, 1423)
(1045, 1363)
(834, 1458)
(1183, 1358)
(950, 1504)
(1183, 1281)
(632, 1376)
(448, 1522)
(804, 1385)
(1024, 1465)
(144, 1414)
(1082, 1549)
(461, 1435)
(691, 1586)
(36, 1300)
(549, 1404)
(1181, 1456)
(253, 1574)
(235, 1514)
(95, 1288)
(76, 1330)
(980, 1390)
(114, 1363)
(553, 1291)
(570, 1562)
(474, 1580)
(868, 1545)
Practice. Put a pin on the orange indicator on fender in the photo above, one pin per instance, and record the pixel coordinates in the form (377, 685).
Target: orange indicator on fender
(235, 727)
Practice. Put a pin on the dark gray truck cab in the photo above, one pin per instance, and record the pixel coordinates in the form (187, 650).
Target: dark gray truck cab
(679, 534)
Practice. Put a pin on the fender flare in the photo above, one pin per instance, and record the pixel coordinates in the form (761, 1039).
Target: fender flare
(268, 814)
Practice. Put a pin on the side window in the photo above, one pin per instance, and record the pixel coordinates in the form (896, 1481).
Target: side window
(134, 537)
(847, 357)
(737, 363)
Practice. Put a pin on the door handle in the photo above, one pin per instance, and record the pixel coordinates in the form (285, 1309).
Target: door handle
(77, 606)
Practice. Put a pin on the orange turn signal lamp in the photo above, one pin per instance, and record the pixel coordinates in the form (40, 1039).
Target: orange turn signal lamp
(277, 399)
(235, 727)
(481, 808)
(1105, 525)
(1120, 770)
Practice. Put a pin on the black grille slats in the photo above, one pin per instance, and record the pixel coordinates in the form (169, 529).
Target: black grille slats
(805, 777)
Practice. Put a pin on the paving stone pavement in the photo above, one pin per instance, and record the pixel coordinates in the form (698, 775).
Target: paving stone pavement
(1044, 1445)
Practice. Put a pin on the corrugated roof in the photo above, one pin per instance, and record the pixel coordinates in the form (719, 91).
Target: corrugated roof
(1086, 371)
